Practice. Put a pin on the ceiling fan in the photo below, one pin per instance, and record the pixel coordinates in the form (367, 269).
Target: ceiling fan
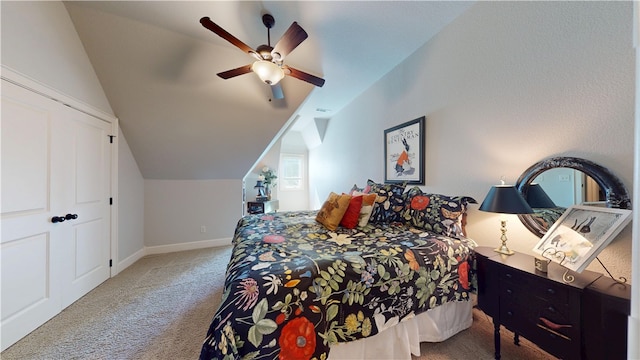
(269, 64)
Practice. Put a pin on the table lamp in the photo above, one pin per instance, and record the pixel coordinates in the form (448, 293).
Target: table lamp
(260, 187)
(537, 198)
(505, 199)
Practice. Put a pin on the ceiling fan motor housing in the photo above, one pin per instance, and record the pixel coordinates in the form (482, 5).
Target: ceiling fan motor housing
(265, 52)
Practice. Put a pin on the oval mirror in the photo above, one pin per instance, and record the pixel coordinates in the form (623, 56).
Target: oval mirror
(552, 185)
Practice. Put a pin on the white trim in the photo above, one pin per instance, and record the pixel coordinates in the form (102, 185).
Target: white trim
(36, 86)
(162, 249)
(130, 260)
(115, 267)
(633, 346)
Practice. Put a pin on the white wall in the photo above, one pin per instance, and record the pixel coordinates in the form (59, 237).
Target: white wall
(176, 210)
(130, 202)
(502, 87)
(40, 42)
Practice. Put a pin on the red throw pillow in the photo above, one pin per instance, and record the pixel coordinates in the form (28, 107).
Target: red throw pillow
(352, 215)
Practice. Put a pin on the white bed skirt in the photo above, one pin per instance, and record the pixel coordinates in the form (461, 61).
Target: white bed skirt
(404, 338)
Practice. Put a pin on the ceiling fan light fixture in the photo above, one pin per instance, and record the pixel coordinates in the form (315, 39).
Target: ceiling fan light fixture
(268, 72)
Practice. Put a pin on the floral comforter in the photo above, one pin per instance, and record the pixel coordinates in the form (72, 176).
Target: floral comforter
(293, 287)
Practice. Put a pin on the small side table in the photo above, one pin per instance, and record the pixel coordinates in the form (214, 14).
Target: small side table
(262, 207)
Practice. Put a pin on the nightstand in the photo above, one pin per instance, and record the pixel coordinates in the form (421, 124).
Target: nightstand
(605, 315)
(262, 207)
(538, 306)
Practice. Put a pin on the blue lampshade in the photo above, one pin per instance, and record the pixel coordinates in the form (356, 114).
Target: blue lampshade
(537, 198)
(505, 199)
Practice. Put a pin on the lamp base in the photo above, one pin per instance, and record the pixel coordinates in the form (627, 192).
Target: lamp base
(504, 250)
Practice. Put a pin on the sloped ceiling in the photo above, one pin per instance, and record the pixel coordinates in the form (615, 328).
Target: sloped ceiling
(158, 67)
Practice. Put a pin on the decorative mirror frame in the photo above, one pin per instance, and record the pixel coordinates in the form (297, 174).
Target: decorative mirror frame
(616, 194)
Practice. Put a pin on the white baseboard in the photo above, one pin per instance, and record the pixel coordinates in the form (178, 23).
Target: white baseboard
(130, 260)
(162, 249)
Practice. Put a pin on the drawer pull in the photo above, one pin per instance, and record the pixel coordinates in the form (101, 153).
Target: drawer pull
(551, 325)
(508, 275)
(510, 313)
(551, 309)
(509, 291)
(553, 333)
(551, 291)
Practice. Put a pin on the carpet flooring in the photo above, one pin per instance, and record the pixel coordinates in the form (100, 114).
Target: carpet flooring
(160, 308)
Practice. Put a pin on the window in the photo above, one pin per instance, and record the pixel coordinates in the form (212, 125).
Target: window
(291, 172)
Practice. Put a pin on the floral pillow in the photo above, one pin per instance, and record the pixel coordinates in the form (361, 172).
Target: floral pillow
(355, 188)
(437, 213)
(389, 202)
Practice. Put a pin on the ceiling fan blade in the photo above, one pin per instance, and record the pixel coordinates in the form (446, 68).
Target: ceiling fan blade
(288, 70)
(235, 72)
(294, 35)
(207, 23)
(276, 91)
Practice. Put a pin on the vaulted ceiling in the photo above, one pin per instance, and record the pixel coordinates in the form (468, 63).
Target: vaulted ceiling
(158, 65)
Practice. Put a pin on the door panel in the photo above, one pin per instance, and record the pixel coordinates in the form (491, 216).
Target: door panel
(25, 130)
(87, 244)
(30, 255)
(88, 153)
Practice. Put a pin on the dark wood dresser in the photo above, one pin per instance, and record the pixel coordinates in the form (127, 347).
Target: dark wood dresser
(580, 319)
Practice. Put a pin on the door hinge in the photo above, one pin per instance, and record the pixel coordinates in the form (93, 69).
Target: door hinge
(110, 262)
(110, 201)
(111, 138)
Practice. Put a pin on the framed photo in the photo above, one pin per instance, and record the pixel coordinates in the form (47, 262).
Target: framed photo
(404, 153)
(580, 234)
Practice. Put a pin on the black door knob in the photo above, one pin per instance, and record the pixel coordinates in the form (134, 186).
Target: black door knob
(71, 216)
(57, 219)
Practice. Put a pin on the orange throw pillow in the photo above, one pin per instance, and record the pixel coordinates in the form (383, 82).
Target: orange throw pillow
(333, 210)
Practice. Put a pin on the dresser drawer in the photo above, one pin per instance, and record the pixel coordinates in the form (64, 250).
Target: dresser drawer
(532, 285)
(515, 296)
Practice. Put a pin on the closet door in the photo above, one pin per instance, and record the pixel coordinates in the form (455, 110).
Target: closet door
(82, 176)
(55, 161)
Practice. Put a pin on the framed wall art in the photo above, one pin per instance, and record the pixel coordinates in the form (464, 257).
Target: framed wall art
(580, 234)
(404, 153)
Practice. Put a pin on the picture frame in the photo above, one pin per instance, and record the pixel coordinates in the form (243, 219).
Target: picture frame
(580, 234)
(404, 153)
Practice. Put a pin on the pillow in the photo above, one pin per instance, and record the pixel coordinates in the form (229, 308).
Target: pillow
(389, 203)
(437, 213)
(332, 210)
(351, 216)
(354, 189)
(368, 201)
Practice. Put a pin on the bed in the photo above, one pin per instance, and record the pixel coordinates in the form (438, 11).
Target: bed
(298, 287)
